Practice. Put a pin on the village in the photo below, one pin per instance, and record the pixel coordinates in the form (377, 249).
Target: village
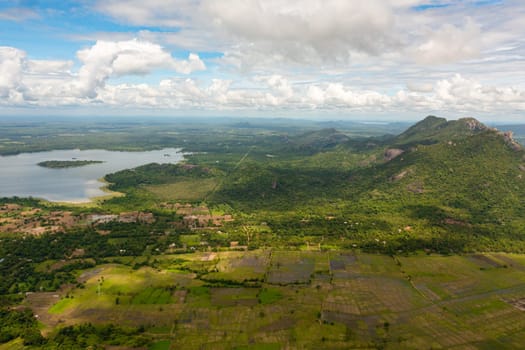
(15, 218)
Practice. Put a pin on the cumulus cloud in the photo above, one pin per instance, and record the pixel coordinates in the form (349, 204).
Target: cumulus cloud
(470, 94)
(326, 27)
(303, 31)
(294, 55)
(53, 67)
(336, 95)
(460, 94)
(11, 69)
(262, 33)
(269, 93)
(306, 30)
(107, 58)
(450, 43)
(420, 87)
(52, 83)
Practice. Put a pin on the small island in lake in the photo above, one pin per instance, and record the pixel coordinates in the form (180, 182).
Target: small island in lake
(59, 164)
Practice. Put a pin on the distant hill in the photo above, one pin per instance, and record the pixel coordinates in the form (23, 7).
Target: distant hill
(315, 141)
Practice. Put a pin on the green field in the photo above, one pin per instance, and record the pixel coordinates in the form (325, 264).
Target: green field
(183, 190)
(349, 300)
(160, 345)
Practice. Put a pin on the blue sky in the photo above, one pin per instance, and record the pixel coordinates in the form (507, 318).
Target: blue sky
(379, 59)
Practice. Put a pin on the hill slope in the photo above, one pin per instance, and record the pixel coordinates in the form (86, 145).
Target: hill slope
(457, 186)
(452, 181)
(433, 129)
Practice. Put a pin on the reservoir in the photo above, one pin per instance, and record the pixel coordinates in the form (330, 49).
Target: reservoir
(21, 176)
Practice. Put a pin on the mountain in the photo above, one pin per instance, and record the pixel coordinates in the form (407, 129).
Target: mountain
(315, 141)
(456, 178)
(442, 185)
(433, 129)
(459, 184)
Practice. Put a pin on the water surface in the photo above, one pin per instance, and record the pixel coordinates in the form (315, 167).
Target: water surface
(21, 176)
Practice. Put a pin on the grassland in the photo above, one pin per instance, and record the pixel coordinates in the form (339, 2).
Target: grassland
(335, 299)
(191, 190)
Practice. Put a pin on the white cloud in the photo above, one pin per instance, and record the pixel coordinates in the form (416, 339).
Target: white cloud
(305, 30)
(258, 35)
(463, 93)
(336, 55)
(51, 83)
(459, 94)
(420, 87)
(336, 95)
(11, 68)
(107, 58)
(170, 13)
(450, 43)
(280, 89)
(312, 24)
(53, 67)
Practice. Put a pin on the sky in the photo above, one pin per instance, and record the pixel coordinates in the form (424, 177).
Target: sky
(344, 59)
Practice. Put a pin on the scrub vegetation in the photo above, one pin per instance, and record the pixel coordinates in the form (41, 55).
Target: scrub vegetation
(60, 164)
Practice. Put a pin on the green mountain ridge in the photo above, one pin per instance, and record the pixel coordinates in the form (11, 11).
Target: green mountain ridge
(458, 178)
(434, 129)
(457, 183)
(318, 140)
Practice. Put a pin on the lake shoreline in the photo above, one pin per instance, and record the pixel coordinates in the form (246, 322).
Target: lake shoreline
(78, 185)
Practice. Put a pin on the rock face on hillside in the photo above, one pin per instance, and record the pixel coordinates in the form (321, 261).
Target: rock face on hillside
(473, 124)
(508, 136)
(392, 153)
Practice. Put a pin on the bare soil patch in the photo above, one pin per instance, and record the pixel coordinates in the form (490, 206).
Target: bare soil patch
(484, 261)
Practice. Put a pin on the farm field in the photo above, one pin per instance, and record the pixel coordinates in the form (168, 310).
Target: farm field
(273, 299)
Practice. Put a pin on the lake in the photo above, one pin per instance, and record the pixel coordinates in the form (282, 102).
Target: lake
(21, 176)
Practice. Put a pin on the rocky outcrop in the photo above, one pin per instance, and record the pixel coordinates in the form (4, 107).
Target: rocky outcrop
(400, 175)
(416, 187)
(508, 136)
(392, 153)
(474, 125)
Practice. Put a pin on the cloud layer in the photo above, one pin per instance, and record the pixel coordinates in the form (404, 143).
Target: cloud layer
(380, 57)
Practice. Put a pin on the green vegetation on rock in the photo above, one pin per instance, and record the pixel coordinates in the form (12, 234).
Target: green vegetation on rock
(59, 164)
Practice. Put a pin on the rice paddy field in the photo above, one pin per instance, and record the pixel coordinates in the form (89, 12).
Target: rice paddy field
(268, 299)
